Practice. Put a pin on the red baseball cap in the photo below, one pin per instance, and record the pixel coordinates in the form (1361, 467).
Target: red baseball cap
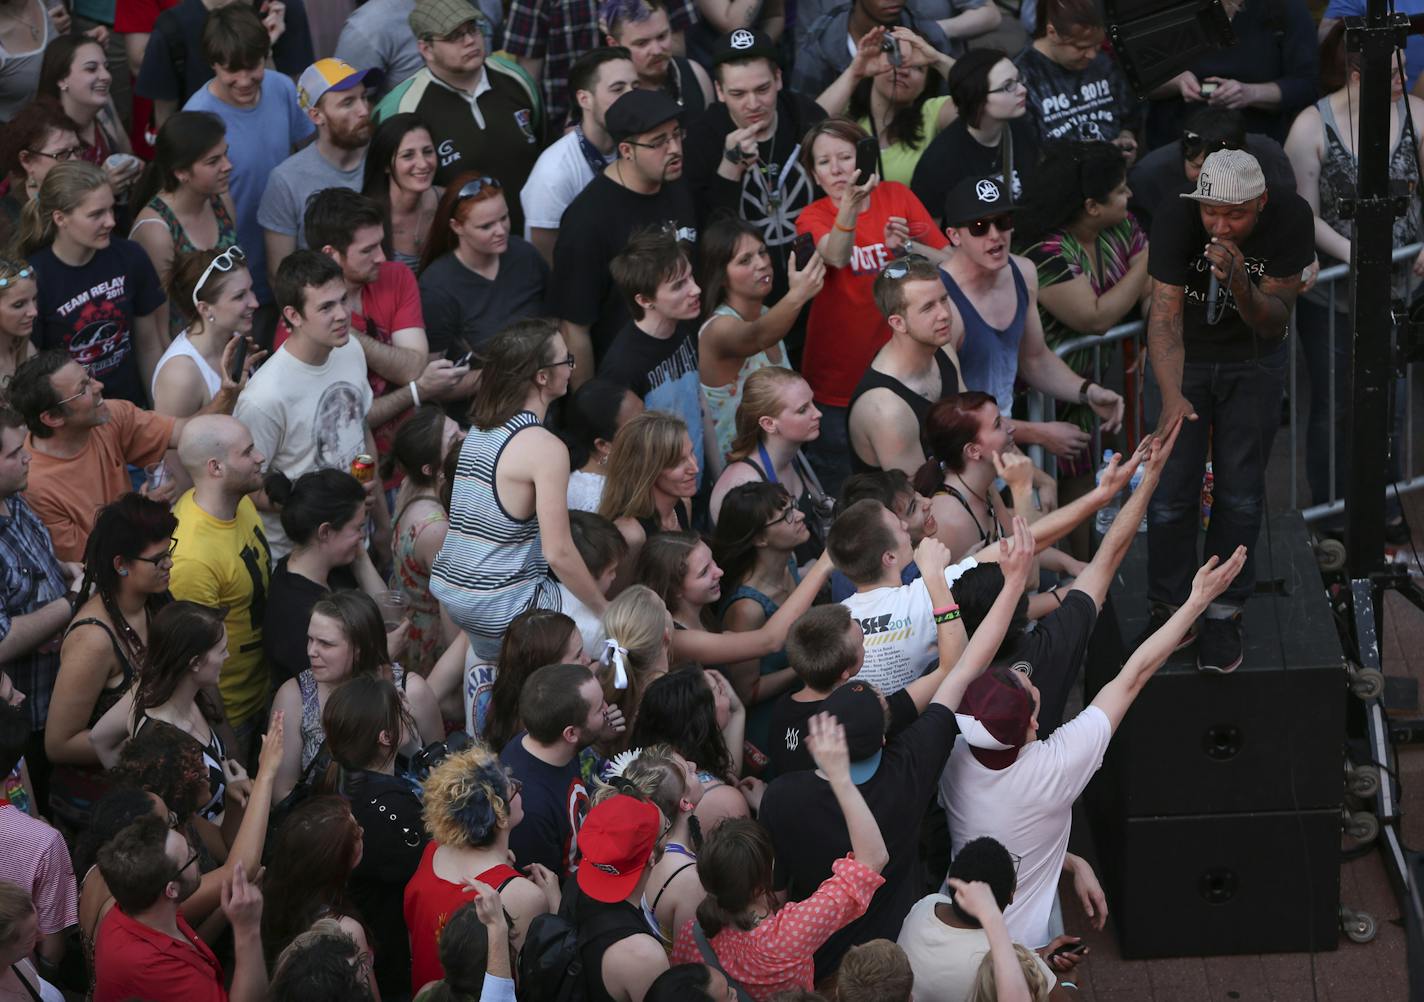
(615, 846)
(994, 716)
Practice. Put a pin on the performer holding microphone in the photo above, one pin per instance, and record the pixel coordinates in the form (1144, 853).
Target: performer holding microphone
(1226, 263)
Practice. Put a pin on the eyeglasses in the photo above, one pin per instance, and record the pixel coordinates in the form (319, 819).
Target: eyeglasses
(514, 787)
(570, 361)
(68, 153)
(1004, 223)
(1007, 87)
(166, 556)
(900, 267)
(1017, 860)
(191, 860)
(223, 262)
(788, 516)
(84, 388)
(473, 187)
(676, 135)
(469, 29)
(23, 273)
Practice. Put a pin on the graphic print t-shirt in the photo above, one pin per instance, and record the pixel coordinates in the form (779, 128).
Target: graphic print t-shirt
(555, 803)
(89, 311)
(663, 371)
(1090, 104)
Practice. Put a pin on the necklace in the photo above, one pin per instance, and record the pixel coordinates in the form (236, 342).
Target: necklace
(137, 648)
(28, 25)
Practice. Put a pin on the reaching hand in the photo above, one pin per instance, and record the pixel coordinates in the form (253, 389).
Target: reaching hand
(826, 740)
(1015, 469)
(1107, 405)
(1212, 580)
(931, 557)
(1063, 439)
(1174, 412)
(543, 878)
(241, 902)
(1161, 449)
(269, 759)
(975, 898)
(1016, 555)
(488, 907)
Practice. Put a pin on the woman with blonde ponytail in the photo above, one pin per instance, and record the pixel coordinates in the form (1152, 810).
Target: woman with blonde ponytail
(638, 628)
(774, 420)
(99, 295)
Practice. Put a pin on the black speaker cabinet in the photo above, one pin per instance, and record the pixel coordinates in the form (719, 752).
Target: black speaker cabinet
(1217, 810)
(1211, 884)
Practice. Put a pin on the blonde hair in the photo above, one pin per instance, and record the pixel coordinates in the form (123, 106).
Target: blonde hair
(467, 798)
(65, 186)
(1038, 985)
(642, 449)
(637, 620)
(877, 971)
(15, 907)
(761, 397)
(654, 774)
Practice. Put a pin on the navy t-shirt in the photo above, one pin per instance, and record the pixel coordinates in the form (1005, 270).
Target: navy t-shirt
(89, 312)
(555, 803)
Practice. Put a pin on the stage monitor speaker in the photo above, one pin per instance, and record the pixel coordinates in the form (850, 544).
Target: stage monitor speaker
(1156, 40)
(1267, 737)
(1205, 885)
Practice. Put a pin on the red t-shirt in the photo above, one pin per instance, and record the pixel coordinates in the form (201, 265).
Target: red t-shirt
(430, 900)
(132, 960)
(845, 329)
(391, 303)
(137, 17)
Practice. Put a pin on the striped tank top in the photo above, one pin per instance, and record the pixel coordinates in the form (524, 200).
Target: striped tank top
(491, 567)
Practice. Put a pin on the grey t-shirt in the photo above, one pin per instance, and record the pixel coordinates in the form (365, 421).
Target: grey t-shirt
(377, 36)
(296, 179)
(463, 309)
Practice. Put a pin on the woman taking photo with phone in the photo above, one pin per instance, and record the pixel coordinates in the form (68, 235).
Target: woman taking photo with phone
(214, 288)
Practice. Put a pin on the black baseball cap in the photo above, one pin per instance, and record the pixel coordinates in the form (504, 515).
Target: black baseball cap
(858, 708)
(975, 198)
(640, 111)
(743, 43)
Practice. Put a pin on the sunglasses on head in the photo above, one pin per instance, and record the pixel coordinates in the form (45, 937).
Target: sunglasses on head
(1004, 223)
(223, 262)
(16, 276)
(474, 186)
(900, 267)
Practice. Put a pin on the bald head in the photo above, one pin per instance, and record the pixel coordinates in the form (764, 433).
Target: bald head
(216, 449)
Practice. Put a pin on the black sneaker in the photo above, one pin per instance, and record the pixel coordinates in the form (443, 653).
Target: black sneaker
(1157, 617)
(1220, 648)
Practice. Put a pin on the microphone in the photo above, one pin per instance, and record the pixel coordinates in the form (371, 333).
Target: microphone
(1213, 294)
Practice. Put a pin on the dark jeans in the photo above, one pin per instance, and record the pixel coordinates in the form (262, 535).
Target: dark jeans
(1238, 407)
(829, 454)
(1313, 326)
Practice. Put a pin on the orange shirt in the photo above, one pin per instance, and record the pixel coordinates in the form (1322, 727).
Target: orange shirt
(67, 493)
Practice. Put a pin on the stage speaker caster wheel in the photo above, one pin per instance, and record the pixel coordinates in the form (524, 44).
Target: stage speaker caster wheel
(1367, 684)
(1362, 826)
(1330, 554)
(1362, 781)
(1358, 927)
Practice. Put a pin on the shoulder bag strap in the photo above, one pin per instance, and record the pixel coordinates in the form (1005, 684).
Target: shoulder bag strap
(710, 956)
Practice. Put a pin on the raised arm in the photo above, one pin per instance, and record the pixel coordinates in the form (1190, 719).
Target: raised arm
(976, 899)
(1115, 698)
(729, 337)
(723, 648)
(826, 740)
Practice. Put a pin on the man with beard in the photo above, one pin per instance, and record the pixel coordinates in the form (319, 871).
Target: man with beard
(642, 188)
(221, 560)
(333, 94)
(484, 113)
(743, 153)
(644, 28)
(145, 949)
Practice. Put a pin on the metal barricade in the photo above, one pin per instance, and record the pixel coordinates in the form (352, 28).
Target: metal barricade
(1041, 406)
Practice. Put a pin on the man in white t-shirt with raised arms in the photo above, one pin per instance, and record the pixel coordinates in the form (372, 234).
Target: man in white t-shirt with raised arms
(1001, 781)
(306, 406)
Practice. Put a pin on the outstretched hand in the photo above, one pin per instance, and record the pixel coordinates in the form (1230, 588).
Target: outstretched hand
(826, 740)
(1016, 555)
(1215, 577)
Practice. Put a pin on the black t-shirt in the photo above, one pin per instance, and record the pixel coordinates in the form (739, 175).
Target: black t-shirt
(1282, 244)
(662, 371)
(290, 598)
(769, 196)
(175, 74)
(594, 228)
(787, 752)
(463, 310)
(389, 813)
(808, 831)
(1056, 648)
(954, 155)
(89, 312)
(1160, 176)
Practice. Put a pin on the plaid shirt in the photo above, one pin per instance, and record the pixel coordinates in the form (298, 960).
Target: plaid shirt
(30, 577)
(558, 32)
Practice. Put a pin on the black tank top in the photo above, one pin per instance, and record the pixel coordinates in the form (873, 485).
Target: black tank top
(683, 87)
(874, 380)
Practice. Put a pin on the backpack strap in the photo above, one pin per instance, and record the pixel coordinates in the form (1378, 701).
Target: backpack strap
(710, 956)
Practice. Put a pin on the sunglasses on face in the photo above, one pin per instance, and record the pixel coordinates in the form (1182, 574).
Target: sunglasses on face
(1003, 223)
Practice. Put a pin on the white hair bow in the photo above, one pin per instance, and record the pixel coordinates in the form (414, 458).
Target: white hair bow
(616, 656)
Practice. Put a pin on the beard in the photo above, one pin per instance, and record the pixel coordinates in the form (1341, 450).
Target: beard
(352, 139)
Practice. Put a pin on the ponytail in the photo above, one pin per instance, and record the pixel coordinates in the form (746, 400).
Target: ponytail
(928, 478)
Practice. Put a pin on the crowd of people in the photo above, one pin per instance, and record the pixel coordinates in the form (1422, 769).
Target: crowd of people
(528, 500)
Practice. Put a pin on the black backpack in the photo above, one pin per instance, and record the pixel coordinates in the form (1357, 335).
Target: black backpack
(551, 963)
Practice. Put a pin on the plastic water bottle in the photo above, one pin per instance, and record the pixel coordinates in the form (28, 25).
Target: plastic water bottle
(1135, 483)
(1103, 520)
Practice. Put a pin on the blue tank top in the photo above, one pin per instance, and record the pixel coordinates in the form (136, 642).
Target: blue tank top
(989, 357)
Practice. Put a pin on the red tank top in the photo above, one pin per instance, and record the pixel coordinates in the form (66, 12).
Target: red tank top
(430, 900)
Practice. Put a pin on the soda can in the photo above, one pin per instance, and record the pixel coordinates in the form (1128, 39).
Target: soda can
(363, 468)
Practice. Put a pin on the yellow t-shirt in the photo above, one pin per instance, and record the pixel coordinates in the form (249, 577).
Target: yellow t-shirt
(228, 564)
(900, 160)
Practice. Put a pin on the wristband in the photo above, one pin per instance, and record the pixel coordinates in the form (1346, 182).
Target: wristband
(844, 229)
(1083, 391)
(946, 617)
(945, 608)
(1056, 597)
(414, 394)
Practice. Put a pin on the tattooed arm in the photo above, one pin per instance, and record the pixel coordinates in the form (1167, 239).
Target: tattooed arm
(1164, 348)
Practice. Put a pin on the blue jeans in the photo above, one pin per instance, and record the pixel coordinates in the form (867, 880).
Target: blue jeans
(1238, 407)
(1313, 325)
(829, 455)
